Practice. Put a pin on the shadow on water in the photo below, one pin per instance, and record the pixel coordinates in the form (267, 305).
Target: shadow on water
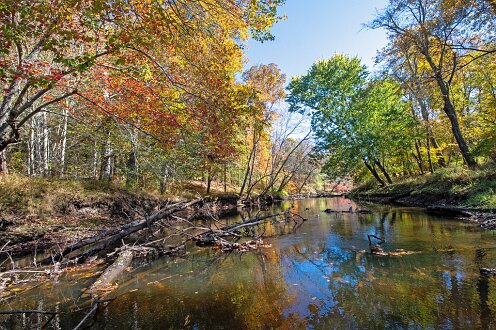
(320, 275)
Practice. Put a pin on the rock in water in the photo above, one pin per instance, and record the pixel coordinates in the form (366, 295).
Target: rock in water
(488, 271)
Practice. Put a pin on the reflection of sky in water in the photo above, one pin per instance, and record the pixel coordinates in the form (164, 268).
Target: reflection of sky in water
(315, 272)
(320, 275)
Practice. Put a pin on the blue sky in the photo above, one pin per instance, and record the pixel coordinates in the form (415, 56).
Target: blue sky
(318, 29)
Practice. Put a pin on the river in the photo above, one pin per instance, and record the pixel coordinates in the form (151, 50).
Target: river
(319, 275)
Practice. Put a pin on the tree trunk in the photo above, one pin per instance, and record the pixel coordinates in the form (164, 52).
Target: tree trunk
(275, 172)
(252, 169)
(249, 170)
(431, 140)
(429, 155)
(374, 173)
(63, 144)
(95, 161)
(419, 158)
(209, 180)
(106, 165)
(132, 162)
(132, 170)
(38, 146)
(3, 162)
(305, 181)
(285, 180)
(165, 179)
(46, 145)
(383, 170)
(450, 111)
(225, 177)
(31, 149)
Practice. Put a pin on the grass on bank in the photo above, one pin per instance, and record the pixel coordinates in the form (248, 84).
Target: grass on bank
(44, 197)
(475, 188)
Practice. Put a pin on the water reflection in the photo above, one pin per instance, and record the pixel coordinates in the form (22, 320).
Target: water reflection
(318, 276)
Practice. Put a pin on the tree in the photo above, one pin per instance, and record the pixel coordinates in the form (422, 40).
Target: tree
(48, 47)
(266, 84)
(355, 121)
(447, 36)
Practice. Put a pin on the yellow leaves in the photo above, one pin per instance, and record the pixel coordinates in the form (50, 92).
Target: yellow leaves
(146, 72)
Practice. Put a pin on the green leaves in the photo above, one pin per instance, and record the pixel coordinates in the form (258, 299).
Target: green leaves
(353, 118)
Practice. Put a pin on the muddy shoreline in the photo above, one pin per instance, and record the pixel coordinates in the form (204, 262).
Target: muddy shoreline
(76, 218)
(439, 205)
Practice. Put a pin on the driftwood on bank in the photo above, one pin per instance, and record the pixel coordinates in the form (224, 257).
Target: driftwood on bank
(106, 238)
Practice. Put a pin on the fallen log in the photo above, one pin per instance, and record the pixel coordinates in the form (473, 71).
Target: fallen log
(112, 273)
(241, 247)
(106, 283)
(211, 236)
(350, 210)
(449, 211)
(253, 222)
(109, 237)
(378, 251)
(129, 230)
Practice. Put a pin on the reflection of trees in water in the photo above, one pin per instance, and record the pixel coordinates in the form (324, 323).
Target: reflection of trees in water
(437, 287)
(392, 292)
(245, 291)
(234, 291)
(486, 287)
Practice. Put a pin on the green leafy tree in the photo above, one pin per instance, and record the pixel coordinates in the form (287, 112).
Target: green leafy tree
(355, 121)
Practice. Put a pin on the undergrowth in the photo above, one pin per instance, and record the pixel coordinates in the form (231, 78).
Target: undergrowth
(459, 185)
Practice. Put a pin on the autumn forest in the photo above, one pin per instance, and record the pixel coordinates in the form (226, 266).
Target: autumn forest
(121, 116)
(149, 93)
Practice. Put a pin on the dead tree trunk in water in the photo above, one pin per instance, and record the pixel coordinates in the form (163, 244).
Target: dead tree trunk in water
(106, 238)
(112, 273)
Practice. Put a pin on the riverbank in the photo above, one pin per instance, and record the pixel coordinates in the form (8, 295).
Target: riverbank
(450, 192)
(39, 213)
(327, 257)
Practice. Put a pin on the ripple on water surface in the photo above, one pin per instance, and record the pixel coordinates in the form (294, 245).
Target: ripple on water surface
(319, 275)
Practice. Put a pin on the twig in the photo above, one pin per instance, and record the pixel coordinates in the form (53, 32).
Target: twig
(93, 308)
(27, 311)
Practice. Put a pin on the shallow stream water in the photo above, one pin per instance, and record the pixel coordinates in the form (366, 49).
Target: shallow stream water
(318, 275)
